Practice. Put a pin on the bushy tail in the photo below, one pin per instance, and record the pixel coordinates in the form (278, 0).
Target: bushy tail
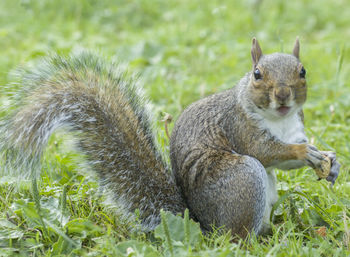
(82, 93)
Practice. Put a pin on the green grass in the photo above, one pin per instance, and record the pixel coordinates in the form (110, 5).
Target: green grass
(183, 50)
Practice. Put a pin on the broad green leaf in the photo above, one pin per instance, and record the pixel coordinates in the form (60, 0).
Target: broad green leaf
(176, 226)
(82, 227)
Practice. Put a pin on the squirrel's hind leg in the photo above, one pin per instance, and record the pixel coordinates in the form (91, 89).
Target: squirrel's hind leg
(232, 196)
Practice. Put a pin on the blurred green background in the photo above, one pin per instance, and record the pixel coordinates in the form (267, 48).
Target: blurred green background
(185, 50)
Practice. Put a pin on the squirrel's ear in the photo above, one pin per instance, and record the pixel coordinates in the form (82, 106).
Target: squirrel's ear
(296, 48)
(256, 51)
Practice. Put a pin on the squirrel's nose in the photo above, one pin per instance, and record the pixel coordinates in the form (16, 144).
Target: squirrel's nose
(282, 93)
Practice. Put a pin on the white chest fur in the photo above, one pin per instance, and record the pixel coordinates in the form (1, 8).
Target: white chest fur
(289, 130)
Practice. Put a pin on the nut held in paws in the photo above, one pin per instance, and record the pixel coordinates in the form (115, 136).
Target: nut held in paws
(325, 168)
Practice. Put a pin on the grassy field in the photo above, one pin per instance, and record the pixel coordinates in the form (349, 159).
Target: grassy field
(183, 50)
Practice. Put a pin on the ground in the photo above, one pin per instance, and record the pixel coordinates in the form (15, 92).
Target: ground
(182, 51)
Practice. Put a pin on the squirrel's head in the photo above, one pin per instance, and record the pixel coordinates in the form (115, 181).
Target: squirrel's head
(277, 82)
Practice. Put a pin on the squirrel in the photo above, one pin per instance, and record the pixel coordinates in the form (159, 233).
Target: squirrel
(223, 148)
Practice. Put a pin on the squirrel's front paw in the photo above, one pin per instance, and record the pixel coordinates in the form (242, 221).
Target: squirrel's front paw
(314, 158)
(335, 166)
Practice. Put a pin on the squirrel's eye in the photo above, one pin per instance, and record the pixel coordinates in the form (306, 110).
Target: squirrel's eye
(257, 74)
(302, 73)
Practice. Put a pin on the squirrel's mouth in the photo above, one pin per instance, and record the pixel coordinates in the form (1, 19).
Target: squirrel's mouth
(283, 110)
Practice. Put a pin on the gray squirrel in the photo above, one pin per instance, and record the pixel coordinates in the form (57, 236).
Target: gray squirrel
(223, 148)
